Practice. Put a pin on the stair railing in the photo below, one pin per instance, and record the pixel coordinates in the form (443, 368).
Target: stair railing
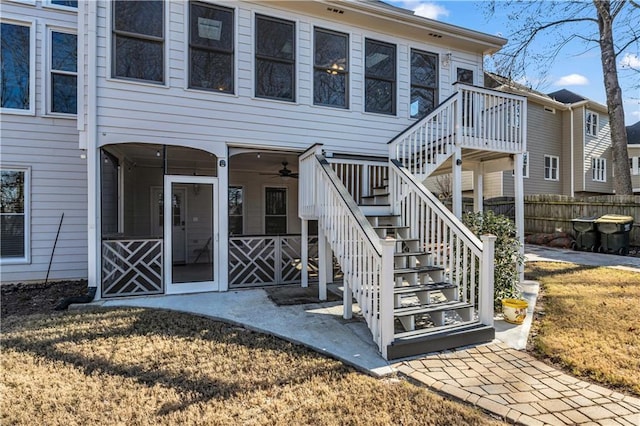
(467, 260)
(365, 259)
(472, 117)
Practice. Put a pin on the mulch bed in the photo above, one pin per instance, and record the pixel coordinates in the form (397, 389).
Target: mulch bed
(37, 298)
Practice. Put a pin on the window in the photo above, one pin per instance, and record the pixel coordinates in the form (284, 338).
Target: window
(424, 83)
(211, 60)
(275, 211)
(235, 210)
(72, 4)
(464, 76)
(551, 163)
(592, 123)
(380, 77)
(513, 115)
(275, 58)
(634, 165)
(14, 206)
(17, 67)
(63, 78)
(525, 165)
(138, 40)
(331, 68)
(599, 169)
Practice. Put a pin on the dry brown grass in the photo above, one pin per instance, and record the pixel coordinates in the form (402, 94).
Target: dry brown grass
(140, 367)
(591, 322)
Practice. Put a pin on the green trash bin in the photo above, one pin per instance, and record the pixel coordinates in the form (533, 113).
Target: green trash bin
(614, 232)
(587, 235)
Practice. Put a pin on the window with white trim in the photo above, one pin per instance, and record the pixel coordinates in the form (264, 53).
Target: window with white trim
(63, 73)
(424, 83)
(138, 40)
(551, 166)
(64, 4)
(211, 45)
(14, 215)
(634, 165)
(599, 169)
(592, 123)
(18, 67)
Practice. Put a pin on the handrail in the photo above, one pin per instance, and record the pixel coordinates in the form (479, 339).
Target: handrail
(451, 220)
(351, 205)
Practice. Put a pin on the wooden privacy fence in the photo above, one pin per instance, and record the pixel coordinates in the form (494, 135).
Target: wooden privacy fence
(551, 213)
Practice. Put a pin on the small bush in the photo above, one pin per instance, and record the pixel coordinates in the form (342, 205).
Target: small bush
(507, 256)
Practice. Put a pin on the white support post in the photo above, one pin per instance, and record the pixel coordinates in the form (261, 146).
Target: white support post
(485, 304)
(304, 255)
(329, 263)
(347, 300)
(518, 184)
(386, 295)
(322, 264)
(456, 182)
(478, 190)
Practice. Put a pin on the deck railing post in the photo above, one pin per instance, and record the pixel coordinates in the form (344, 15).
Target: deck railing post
(322, 263)
(386, 295)
(485, 304)
(304, 253)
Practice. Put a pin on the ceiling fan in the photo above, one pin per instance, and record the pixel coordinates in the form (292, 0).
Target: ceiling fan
(284, 172)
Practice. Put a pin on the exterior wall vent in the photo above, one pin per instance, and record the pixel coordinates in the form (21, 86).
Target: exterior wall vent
(334, 10)
(550, 110)
(434, 35)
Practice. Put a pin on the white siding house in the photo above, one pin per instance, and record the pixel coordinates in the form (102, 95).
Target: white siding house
(43, 174)
(229, 144)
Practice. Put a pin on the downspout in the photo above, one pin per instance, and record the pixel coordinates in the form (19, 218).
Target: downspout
(571, 167)
(93, 182)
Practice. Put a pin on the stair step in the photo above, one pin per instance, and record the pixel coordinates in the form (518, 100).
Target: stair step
(367, 197)
(390, 227)
(417, 269)
(422, 287)
(450, 338)
(425, 309)
(405, 335)
(411, 253)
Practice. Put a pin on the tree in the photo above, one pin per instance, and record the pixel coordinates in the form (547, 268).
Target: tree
(608, 25)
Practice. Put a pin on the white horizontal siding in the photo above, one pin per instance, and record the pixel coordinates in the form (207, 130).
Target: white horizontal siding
(48, 146)
(133, 112)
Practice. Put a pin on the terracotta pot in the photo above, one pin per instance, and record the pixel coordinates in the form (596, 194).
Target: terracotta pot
(514, 310)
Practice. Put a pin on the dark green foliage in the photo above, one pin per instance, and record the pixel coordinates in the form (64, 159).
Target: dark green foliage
(507, 256)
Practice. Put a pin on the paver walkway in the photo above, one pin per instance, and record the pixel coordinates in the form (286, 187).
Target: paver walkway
(521, 389)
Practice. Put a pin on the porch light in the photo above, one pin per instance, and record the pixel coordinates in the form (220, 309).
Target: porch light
(158, 153)
(446, 59)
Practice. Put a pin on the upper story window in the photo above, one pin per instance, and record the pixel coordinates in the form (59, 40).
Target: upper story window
(72, 4)
(380, 77)
(275, 58)
(14, 215)
(551, 165)
(634, 165)
(63, 79)
(424, 83)
(599, 169)
(138, 40)
(592, 123)
(18, 67)
(211, 47)
(331, 68)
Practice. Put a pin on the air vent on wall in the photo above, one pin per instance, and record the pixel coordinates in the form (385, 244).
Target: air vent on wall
(334, 10)
(434, 35)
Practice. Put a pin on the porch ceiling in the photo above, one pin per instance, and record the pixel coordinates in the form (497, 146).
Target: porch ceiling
(471, 157)
(263, 161)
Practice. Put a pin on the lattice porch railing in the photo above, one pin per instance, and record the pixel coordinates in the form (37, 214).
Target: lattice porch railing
(269, 260)
(132, 267)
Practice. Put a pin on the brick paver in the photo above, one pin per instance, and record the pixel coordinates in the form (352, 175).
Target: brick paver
(520, 389)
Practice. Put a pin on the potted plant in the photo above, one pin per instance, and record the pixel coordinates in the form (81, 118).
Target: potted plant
(508, 260)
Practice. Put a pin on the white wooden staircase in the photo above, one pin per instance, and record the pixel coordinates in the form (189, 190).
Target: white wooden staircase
(422, 280)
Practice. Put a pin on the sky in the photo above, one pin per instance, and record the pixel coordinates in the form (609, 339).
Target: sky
(574, 70)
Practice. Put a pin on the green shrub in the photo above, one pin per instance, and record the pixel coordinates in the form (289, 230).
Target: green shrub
(507, 256)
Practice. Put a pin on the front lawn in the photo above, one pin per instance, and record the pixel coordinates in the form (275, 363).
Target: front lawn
(143, 367)
(590, 324)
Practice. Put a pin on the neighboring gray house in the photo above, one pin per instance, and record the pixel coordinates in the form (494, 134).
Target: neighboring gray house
(633, 147)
